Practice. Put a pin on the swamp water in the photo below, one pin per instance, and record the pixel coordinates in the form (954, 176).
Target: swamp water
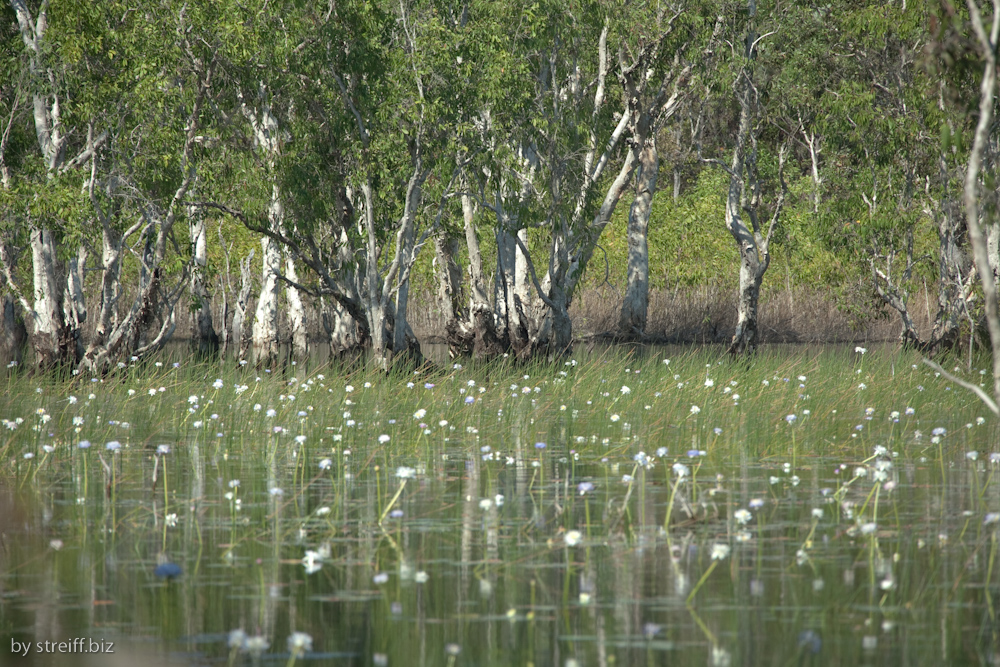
(814, 508)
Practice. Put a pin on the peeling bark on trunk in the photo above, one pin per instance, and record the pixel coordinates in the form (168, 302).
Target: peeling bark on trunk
(345, 329)
(515, 327)
(505, 258)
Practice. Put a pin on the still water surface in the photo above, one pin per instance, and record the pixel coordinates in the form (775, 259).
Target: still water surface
(487, 549)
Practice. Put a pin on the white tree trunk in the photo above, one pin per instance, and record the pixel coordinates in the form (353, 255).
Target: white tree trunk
(993, 246)
(341, 329)
(74, 302)
(635, 304)
(241, 332)
(405, 255)
(47, 336)
(341, 326)
(751, 242)
(481, 319)
(267, 135)
(522, 288)
(203, 335)
(987, 92)
(265, 323)
(371, 298)
(752, 267)
(296, 312)
(399, 342)
(449, 295)
(813, 142)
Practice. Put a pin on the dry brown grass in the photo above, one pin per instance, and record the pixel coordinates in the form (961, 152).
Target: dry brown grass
(707, 314)
(704, 314)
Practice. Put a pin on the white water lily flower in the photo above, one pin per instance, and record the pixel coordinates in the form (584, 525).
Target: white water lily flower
(311, 562)
(299, 643)
(720, 551)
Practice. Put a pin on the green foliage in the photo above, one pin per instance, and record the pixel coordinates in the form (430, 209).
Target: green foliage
(888, 94)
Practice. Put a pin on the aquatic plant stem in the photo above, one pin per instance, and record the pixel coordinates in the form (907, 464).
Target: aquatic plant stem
(392, 502)
(704, 578)
(670, 505)
(989, 577)
(795, 451)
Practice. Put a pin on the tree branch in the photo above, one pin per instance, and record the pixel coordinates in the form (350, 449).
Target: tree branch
(977, 390)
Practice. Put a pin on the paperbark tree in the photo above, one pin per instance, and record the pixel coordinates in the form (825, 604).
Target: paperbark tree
(204, 339)
(557, 163)
(651, 78)
(173, 122)
(349, 221)
(57, 310)
(988, 42)
(267, 140)
(13, 333)
(744, 196)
